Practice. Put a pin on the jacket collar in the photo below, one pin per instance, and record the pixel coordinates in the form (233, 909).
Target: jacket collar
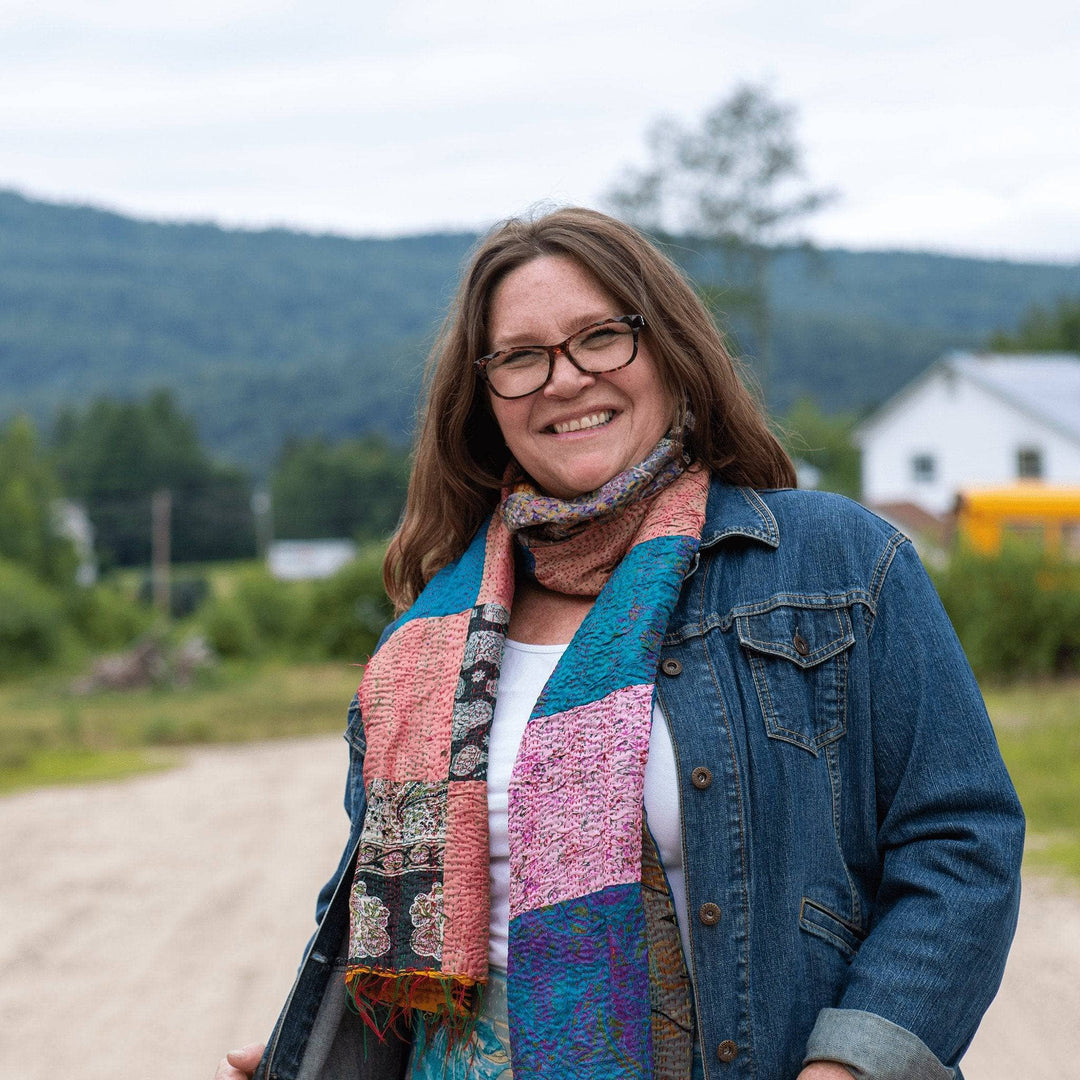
(737, 511)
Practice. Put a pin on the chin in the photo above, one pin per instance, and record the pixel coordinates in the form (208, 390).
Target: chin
(578, 486)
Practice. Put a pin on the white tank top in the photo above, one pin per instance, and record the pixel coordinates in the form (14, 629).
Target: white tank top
(525, 670)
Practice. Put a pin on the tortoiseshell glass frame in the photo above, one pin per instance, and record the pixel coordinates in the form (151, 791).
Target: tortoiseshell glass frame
(635, 322)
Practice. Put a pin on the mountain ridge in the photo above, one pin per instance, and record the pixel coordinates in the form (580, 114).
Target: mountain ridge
(269, 334)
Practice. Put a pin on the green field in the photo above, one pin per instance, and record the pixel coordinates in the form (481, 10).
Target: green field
(50, 736)
(1038, 728)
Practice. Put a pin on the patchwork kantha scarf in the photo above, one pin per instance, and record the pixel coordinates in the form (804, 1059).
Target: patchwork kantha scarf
(592, 942)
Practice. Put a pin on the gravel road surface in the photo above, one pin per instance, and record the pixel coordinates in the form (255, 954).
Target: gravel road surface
(147, 926)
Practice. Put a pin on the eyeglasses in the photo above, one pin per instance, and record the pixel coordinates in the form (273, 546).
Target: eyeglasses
(595, 349)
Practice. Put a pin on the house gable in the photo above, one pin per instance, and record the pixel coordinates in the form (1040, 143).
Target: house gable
(974, 421)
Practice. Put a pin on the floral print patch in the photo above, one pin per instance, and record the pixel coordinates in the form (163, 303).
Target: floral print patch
(369, 919)
(428, 920)
(477, 686)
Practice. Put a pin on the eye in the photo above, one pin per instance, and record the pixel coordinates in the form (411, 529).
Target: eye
(519, 358)
(599, 337)
(602, 337)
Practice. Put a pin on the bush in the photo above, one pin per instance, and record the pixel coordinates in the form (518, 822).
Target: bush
(278, 609)
(1017, 613)
(31, 620)
(350, 609)
(186, 594)
(230, 630)
(104, 617)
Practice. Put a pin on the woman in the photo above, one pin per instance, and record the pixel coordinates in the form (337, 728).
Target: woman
(693, 756)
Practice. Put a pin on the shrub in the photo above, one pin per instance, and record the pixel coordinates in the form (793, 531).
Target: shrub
(350, 609)
(278, 609)
(186, 594)
(1017, 613)
(31, 620)
(105, 617)
(230, 630)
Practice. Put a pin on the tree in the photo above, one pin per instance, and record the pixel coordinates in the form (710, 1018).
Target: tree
(116, 454)
(733, 183)
(1057, 330)
(29, 491)
(823, 442)
(354, 488)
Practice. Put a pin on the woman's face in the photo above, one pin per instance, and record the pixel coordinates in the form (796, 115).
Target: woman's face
(619, 416)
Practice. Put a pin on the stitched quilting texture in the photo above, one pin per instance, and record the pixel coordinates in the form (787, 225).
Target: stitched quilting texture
(579, 991)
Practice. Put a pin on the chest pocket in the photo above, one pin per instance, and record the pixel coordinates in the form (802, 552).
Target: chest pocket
(799, 660)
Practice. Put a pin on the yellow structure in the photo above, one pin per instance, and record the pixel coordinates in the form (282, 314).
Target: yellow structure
(1046, 514)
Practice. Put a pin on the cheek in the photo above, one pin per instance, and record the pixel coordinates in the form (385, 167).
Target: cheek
(660, 406)
(507, 416)
(666, 408)
(653, 396)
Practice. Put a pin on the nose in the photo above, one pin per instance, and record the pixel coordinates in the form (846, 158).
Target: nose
(566, 379)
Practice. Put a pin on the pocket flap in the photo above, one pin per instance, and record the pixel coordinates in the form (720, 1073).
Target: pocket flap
(804, 635)
(818, 919)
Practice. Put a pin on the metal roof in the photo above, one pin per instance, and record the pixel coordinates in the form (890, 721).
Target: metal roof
(1043, 385)
(1046, 385)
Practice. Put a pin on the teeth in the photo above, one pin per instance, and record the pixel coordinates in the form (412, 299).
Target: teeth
(584, 422)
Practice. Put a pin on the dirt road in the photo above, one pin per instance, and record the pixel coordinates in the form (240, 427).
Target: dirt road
(149, 925)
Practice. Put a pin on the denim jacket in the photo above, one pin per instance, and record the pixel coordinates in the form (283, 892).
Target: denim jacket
(851, 838)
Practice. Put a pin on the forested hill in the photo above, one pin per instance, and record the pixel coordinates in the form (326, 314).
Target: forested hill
(268, 334)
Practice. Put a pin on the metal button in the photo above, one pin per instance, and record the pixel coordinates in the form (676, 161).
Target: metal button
(671, 666)
(727, 1051)
(709, 914)
(701, 778)
(800, 644)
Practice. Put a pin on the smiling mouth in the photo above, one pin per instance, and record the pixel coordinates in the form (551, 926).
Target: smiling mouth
(583, 422)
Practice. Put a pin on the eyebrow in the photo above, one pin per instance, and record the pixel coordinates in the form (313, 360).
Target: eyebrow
(515, 341)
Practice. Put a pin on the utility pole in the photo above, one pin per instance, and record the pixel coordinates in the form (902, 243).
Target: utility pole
(160, 555)
(261, 508)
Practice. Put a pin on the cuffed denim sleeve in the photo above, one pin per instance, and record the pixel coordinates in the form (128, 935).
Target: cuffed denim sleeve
(950, 839)
(873, 1048)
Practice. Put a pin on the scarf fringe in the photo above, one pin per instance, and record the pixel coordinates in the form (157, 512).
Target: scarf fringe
(387, 1002)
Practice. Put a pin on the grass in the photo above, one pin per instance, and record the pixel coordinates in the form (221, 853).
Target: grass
(75, 765)
(1038, 729)
(48, 735)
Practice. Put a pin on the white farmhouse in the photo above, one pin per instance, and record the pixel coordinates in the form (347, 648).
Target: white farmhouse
(304, 560)
(973, 420)
(71, 520)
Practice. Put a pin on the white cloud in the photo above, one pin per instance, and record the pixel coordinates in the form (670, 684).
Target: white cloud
(944, 125)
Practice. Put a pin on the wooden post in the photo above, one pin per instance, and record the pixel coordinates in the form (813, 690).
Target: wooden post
(261, 508)
(160, 535)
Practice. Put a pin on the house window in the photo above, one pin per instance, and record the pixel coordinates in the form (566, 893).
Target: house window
(923, 468)
(1029, 463)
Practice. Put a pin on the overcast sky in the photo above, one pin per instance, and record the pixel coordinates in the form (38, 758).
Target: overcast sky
(948, 125)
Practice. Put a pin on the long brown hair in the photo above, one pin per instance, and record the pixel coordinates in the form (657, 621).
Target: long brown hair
(460, 457)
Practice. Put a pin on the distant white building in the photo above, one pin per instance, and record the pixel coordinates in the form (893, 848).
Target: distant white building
(973, 420)
(300, 560)
(71, 520)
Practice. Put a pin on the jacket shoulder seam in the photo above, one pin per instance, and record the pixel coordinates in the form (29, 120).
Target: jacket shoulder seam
(881, 570)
